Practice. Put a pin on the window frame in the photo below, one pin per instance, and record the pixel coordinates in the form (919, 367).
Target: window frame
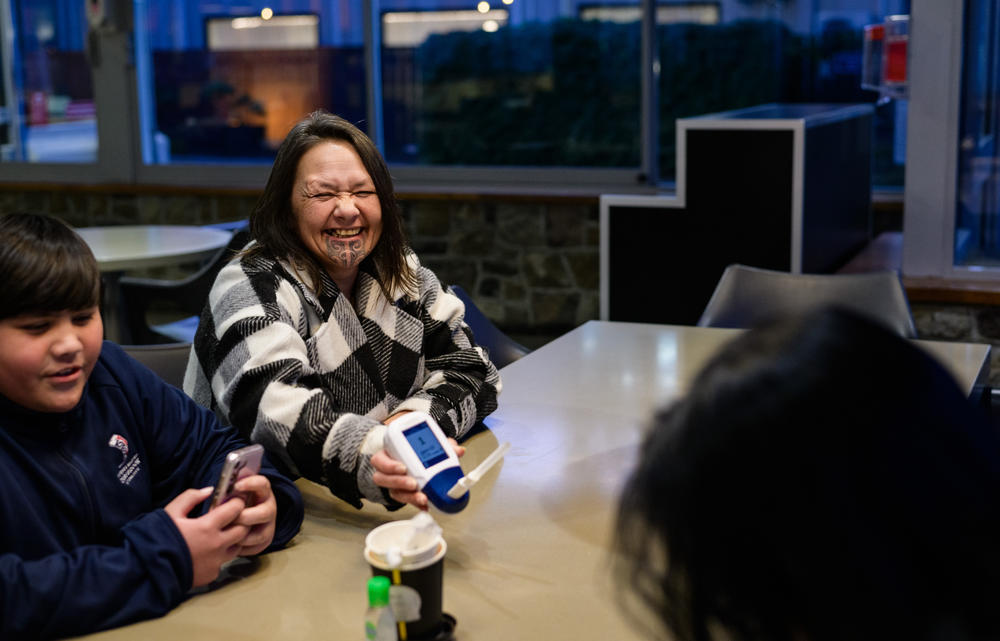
(931, 177)
(116, 145)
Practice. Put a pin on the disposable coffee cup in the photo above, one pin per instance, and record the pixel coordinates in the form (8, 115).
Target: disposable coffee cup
(414, 563)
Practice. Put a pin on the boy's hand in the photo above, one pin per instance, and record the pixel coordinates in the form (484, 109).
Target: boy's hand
(258, 516)
(391, 474)
(213, 538)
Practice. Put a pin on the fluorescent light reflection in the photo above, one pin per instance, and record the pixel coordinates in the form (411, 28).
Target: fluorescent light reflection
(281, 21)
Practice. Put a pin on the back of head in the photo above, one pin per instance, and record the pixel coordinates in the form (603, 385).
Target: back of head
(824, 479)
(44, 267)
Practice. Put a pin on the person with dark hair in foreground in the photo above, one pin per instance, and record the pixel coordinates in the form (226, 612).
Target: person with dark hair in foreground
(823, 480)
(104, 468)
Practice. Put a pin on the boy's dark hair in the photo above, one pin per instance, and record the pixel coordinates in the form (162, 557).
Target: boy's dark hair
(824, 479)
(44, 267)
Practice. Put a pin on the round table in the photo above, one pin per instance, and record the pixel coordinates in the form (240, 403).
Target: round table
(122, 247)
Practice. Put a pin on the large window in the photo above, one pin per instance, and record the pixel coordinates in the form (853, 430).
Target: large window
(530, 84)
(225, 81)
(977, 227)
(951, 206)
(47, 97)
(764, 52)
(471, 91)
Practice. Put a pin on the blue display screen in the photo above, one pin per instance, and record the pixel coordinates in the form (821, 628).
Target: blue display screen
(422, 440)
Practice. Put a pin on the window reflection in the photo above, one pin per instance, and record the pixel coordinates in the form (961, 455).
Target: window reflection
(783, 52)
(508, 83)
(977, 228)
(229, 80)
(49, 113)
(520, 83)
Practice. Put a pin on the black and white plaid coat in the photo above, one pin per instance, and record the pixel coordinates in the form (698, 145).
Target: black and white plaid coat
(312, 378)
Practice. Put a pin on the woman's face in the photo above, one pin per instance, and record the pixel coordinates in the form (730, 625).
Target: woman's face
(337, 211)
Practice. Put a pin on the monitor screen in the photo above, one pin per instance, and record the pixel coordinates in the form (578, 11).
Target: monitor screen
(423, 442)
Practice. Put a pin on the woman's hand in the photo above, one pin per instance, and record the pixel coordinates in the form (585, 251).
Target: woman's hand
(391, 474)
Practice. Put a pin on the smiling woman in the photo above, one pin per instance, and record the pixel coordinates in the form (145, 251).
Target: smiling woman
(327, 327)
(337, 210)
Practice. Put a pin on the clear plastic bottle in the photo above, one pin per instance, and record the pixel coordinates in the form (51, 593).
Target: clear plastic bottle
(379, 622)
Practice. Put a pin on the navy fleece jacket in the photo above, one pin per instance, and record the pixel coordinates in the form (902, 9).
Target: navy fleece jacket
(84, 541)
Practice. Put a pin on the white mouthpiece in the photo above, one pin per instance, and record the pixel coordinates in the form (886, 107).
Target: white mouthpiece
(470, 479)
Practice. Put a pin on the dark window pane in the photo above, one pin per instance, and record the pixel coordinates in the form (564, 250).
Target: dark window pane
(520, 84)
(50, 115)
(227, 85)
(774, 52)
(977, 232)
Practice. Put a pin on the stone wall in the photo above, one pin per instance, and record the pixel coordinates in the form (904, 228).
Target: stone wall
(962, 322)
(530, 264)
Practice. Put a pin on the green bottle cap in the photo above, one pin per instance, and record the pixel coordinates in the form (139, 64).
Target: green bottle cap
(378, 591)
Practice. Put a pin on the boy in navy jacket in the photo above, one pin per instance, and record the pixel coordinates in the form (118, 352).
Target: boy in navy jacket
(104, 468)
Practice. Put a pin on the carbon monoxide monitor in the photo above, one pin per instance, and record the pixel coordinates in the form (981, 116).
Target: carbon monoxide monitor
(417, 441)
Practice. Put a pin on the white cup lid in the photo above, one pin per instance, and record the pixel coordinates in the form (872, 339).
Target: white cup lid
(405, 543)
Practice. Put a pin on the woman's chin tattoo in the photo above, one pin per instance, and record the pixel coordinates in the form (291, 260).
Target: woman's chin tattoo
(347, 254)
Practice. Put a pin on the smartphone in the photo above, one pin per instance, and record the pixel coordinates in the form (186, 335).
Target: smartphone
(239, 464)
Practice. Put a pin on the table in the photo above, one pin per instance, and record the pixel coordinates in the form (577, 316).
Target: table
(528, 558)
(123, 247)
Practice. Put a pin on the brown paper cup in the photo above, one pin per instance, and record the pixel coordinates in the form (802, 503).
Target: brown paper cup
(417, 582)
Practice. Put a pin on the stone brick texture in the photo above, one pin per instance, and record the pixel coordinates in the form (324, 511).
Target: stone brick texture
(532, 267)
(966, 323)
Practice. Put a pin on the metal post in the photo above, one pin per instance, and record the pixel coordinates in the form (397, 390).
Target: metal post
(650, 126)
(373, 71)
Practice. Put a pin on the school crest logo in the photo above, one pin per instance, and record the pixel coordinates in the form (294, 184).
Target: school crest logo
(128, 467)
(119, 443)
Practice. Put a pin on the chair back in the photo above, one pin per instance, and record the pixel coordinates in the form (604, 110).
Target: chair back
(167, 360)
(503, 350)
(184, 296)
(747, 296)
(197, 286)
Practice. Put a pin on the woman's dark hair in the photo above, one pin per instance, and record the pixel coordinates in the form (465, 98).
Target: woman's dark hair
(272, 222)
(824, 479)
(44, 267)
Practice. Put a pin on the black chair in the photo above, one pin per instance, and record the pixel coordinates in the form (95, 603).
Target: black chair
(502, 349)
(168, 360)
(185, 297)
(746, 296)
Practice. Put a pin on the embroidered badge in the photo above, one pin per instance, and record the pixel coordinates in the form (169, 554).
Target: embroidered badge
(119, 443)
(128, 468)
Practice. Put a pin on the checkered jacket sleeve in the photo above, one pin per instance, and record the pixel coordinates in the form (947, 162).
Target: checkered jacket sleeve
(312, 377)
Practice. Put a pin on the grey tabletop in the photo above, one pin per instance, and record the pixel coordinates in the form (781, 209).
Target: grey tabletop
(528, 559)
(123, 247)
